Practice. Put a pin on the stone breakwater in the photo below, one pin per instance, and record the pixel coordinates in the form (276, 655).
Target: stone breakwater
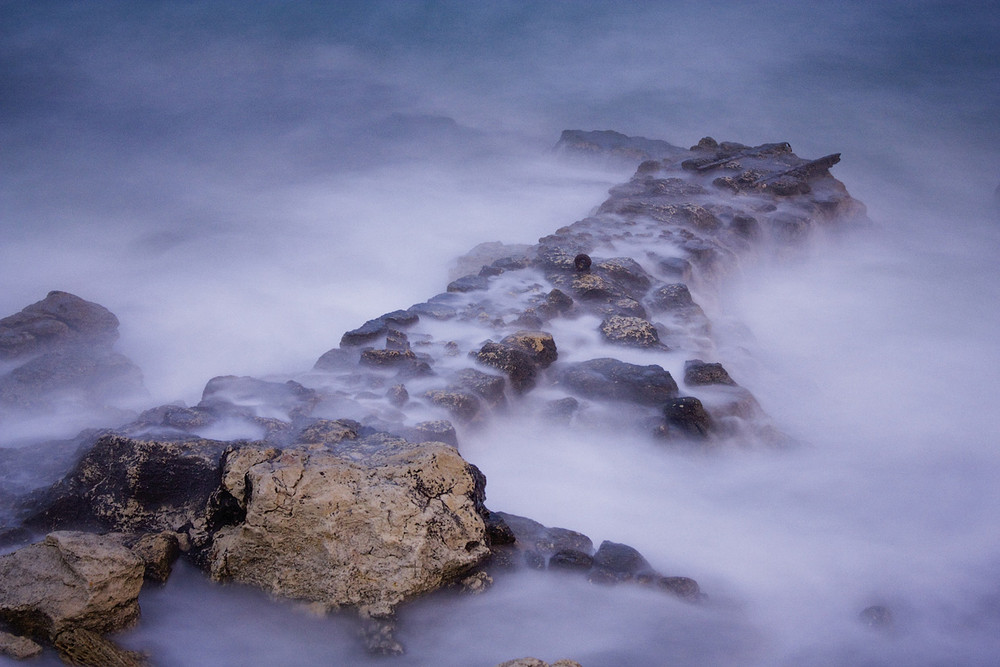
(344, 486)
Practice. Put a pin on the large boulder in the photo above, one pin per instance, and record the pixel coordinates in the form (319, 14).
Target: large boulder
(70, 580)
(611, 379)
(366, 529)
(58, 352)
(134, 485)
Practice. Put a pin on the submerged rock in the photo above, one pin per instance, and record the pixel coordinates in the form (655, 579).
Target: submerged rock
(611, 379)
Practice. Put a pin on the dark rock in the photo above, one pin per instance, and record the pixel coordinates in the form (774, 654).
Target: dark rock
(611, 379)
(516, 363)
(440, 307)
(674, 268)
(436, 430)
(497, 530)
(582, 262)
(73, 374)
(79, 646)
(378, 634)
(387, 358)
(560, 410)
(469, 284)
(396, 340)
(683, 587)
(398, 395)
(571, 559)
(698, 372)
(336, 359)
(133, 486)
(610, 145)
(59, 319)
(558, 301)
(158, 552)
(620, 559)
(877, 617)
(539, 345)
(327, 431)
(231, 391)
(631, 331)
(486, 386)
(377, 327)
(626, 272)
(462, 405)
(689, 416)
(675, 297)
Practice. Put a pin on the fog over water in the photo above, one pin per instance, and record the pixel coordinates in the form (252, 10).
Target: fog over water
(241, 183)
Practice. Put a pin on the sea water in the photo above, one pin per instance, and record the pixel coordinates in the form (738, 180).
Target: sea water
(242, 183)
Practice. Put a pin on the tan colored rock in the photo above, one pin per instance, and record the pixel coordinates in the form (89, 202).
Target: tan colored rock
(70, 580)
(20, 648)
(538, 344)
(158, 553)
(88, 649)
(342, 529)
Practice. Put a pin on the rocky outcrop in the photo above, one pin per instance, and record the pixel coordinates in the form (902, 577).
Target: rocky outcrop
(70, 580)
(57, 353)
(132, 485)
(351, 527)
(562, 550)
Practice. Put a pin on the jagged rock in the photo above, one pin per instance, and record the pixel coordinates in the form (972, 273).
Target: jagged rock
(367, 532)
(462, 405)
(387, 358)
(133, 486)
(70, 580)
(688, 416)
(571, 559)
(499, 255)
(539, 345)
(19, 648)
(608, 144)
(436, 430)
(373, 329)
(328, 431)
(472, 283)
(158, 552)
(488, 387)
(631, 331)
(84, 648)
(611, 379)
(698, 372)
(516, 363)
(61, 354)
(398, 395)
(57, 320)
(617, 562)
(336, 359)
(291, 399)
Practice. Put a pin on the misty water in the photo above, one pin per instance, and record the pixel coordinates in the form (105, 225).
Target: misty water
(240, 184)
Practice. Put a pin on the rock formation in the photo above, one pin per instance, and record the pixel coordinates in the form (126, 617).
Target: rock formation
(348, 489)
(57, 354)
